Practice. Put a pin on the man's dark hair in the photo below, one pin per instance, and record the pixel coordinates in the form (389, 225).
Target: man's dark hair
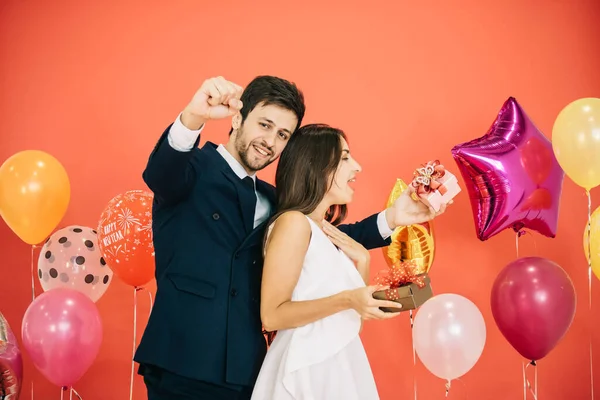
(270, 90)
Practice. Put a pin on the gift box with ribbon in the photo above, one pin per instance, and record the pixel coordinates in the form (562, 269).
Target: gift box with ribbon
(434, 185)
(406, 286)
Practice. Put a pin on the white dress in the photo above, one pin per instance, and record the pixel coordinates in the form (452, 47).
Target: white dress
(324, 360)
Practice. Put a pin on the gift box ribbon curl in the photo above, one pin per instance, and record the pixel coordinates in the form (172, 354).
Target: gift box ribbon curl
(427, 178)
(400, 274)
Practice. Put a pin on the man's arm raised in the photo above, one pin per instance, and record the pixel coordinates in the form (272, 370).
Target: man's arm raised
(169, 172)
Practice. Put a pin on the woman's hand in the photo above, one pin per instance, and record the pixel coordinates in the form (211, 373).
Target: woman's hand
(363, 302)
(354, 250)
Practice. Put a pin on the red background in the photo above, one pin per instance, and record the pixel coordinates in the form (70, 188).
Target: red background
(95, 83)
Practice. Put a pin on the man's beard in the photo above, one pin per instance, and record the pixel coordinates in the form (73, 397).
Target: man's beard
(243, 148)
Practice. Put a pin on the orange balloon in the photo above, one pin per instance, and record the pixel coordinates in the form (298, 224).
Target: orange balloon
(34, 194)
(125, 237)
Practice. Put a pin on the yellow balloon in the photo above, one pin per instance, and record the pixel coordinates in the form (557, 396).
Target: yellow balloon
(576, 141)
(414, 242)
(594, 244)
(34, 194)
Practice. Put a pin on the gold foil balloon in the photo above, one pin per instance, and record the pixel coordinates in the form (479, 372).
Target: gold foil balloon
(413, 242)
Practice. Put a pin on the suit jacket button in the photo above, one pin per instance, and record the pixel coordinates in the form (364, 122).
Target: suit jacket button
(233, 292)
(216, 216)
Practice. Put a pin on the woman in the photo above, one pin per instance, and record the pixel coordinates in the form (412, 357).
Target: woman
(314, 285)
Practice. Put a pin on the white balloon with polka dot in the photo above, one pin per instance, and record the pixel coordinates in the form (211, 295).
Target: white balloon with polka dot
(71, 258)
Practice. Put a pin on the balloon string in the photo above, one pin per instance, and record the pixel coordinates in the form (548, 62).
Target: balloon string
(135, 290)
(526, 384)
(518, 236)
(414, 355)
(71, 391)
(33, 246)
(448, 384)
(151, 303)
(32, 273)
(76, 394)
(589, 258)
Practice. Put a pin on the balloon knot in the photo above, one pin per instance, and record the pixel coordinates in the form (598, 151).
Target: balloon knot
(533, 363)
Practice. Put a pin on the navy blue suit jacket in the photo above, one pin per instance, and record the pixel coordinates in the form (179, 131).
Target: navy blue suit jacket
(205, 324)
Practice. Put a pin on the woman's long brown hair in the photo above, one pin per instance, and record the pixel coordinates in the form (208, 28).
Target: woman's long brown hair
(305, 173)
(306, 169)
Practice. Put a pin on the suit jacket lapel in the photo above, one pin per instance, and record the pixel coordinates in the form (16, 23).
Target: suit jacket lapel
(247, 200)
(246, 196)
(256, 236)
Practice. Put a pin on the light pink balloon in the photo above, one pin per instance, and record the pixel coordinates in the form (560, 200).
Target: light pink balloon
(71, 258)
(449, 335)
(62, 333)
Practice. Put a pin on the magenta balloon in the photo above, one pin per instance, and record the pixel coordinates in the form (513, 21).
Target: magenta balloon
(512, 176)
(62, 332)
(533, 304)
(11, 362)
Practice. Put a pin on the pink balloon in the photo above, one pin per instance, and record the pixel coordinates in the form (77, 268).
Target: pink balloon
(62, 332)
(71, 258)
(512, 176)
(533, 303)
(449, 335)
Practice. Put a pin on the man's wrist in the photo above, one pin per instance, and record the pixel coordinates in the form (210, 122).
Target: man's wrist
(180, 137)
(390, 217)
(192, 121)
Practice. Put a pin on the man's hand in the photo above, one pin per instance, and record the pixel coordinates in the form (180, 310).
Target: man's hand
(407, 211)
(216, 99)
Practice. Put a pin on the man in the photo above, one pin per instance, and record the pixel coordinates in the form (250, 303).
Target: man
(204, 336)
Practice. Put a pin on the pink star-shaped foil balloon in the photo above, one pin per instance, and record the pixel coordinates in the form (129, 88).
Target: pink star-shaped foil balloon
(512, 176)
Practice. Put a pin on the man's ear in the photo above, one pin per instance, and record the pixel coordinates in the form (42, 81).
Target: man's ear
(236, 121)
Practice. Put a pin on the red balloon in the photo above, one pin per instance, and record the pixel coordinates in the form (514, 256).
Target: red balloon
(125, 237)
(533, 303)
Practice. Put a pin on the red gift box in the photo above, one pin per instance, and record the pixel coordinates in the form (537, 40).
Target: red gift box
(434, 185)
